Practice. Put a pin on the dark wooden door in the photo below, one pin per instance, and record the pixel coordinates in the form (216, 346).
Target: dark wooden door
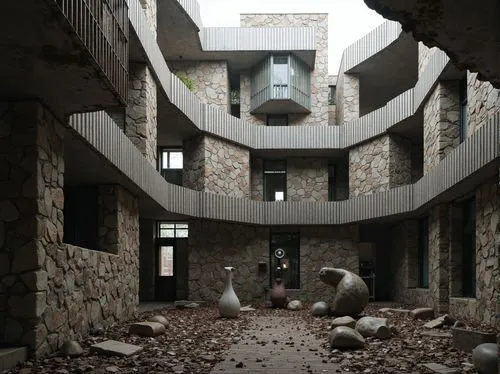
(165, 284)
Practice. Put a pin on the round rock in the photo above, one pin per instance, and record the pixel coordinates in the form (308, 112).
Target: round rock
(344, 321)
(294, 305)
(160, 319)
(320, 308)
(345, 337)
(485, 358)
(374, 326)
(71, 348)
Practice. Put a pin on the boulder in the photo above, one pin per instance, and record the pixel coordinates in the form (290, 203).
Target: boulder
(146, 329)
(351, 292)
(159, 319)
(344, 321)
(422, 313)
(71, 348)
(345, 337)
(320, 308)
(485, 358)
(374, 326)
(294, 305)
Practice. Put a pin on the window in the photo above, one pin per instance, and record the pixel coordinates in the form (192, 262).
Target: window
(423, 253)
(171, 164)
(280, 77)
(463, 118)
(173, 230)
(166, 262)
(285, 259)
(277, 120)
(274, 180)
(332, 91)
(332, 185)
(469, 248)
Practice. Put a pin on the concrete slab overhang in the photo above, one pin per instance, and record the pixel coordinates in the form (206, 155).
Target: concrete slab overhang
(181, 36)
(469, 32)
(43, 56)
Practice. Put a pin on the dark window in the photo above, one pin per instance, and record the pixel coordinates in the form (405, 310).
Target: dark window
(171, 163)
(277, 120)
(274, 180)
(285, 259)
(173, 230)
(81, 214)
(463, 118)
(469, 248)
(423, 253)
(331, 95)
(332, 185)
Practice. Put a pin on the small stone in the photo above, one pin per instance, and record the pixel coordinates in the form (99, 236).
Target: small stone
(147, 329)
(344, 321)
(345, 337)
(485, 358)
(112, 369)
(71, 348)
(320, 308)
(209, 358)
(239, 365)
(294, 305)
(422, 313)
(247, 308)
(435, 323)
(192, 305)
(159, 319)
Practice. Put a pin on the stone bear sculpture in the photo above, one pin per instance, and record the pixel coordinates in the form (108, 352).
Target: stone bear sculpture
(351, 292)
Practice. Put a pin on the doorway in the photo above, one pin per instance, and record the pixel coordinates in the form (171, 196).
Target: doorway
(165, 282)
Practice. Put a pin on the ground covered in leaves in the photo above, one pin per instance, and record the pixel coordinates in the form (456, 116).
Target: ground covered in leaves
(196, 339)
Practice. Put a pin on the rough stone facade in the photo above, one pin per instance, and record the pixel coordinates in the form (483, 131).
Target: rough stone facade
(347, 108)
(319, 75)
(213, 245)
(51, 291)
(257, 179)
(150, 10)
(483, 307)
(379, 165)
(307, 179)
(245, 96)
(482, 102)
(210, 81)
(441, 123)
(141, 113)
(217, 166)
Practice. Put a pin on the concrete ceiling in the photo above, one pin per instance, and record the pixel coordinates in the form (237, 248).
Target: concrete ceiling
(468, 31)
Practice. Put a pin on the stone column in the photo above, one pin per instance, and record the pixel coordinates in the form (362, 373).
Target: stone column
(379, 165)
(350, 97)
(257, 179)
(150, 10)
(31, 218)
(439, 239)
(441, 123)
(141, 114)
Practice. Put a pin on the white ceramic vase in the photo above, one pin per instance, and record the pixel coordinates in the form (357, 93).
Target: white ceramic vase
(229, 305)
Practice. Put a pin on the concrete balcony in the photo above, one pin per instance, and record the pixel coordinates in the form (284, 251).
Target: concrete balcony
(71, 53)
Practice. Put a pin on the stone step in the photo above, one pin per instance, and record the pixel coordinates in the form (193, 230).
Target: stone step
(10, 357)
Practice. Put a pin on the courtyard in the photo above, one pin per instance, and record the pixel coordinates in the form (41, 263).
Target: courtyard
(263, 340)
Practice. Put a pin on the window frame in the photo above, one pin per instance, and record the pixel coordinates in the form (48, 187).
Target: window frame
(269, 171)
(175, 229)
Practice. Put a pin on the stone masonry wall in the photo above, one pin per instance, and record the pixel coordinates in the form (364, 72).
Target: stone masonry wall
(245, 95)
(347, 108)
(210, 81)
(141, 113)
(483, 307)
(319, 75)
(482, 102)
(150, 9)
(257, 179)
(214, 245)
(379, 165)
(307, 179)
(441, 123)
(217, 166)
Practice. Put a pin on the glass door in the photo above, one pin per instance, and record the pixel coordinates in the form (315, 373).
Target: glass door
(165, 284)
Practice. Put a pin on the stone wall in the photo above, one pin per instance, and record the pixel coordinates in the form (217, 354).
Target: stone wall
(347, 108)
(483, 307)
(217, 166)
(379, 165)
(245, 95)
(482, 102)
(150, 10)
(441, 123)
(404, 260)
(307, 179)
(210, 81)
(141, 113)
(319, 75)
(257, 179)
(214, 245)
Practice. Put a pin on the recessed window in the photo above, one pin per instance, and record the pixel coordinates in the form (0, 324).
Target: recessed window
(280, 77)
(277, 120)
(171, 164)
(469, 248)
(332, 91)
(332, 183)
(285, 258)
(423, 253)
(463, 118)
(274, 180)
(173, 230)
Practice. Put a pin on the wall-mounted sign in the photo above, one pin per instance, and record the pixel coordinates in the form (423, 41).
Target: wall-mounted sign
(279, 253)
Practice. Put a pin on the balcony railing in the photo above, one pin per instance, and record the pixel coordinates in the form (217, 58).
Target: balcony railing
(102, 27)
